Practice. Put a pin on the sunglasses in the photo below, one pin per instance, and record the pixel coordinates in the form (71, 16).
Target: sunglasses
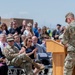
(29, 41)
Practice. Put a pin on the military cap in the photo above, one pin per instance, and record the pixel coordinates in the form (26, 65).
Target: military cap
(70, 14)
(10, 38)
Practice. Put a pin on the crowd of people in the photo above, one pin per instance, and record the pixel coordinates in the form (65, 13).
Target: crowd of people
(21, 44)
(24, 43)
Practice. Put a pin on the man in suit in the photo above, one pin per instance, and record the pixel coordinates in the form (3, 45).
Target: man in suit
(17, 42)
(56, 32)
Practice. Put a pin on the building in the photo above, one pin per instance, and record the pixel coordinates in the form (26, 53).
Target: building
(19, 21)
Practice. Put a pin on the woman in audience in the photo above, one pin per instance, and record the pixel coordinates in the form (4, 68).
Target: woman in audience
(27, 31)
(30, 26)
(30, 51)
(4, 29)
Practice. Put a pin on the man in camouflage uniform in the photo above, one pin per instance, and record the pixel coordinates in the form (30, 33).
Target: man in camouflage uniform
(16, 58)
(69, 42)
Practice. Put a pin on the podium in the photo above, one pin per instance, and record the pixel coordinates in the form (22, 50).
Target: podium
(58, 54)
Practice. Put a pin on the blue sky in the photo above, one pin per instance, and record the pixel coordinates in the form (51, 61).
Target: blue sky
(45, 12)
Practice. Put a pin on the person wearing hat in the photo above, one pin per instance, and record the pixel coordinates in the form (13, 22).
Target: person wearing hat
(16, 58)
(69, 42)
(69, 16)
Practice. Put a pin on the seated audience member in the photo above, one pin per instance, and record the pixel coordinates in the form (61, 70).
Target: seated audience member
(23, 26)
(43, 45)
(17, 42)
(16, 58)
(44, 38)
(56, 33)
(30, 51)
(14, 28)
(35, 29)
(39, 35)
(34, 42)
(49, 32)
(3, 42)
(27, 31)
(10, 26)
(3, 66)
(31, 29)
(4, 29)
(44, 31)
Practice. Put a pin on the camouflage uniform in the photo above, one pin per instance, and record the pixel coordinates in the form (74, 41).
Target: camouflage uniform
(69, 38)
(16, 59)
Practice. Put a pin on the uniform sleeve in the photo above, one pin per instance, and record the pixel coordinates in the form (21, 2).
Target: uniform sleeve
(66, 37)
(16, 49)
(9, 55)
